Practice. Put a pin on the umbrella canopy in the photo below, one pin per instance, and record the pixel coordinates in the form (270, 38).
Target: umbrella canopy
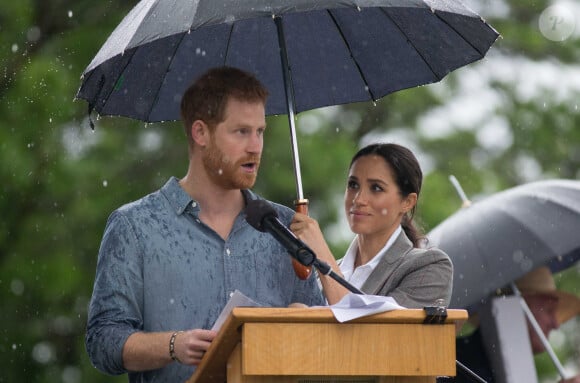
(333, 51)
(495, 241)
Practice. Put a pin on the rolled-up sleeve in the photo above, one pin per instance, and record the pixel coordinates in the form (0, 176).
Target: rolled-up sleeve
(115, 310)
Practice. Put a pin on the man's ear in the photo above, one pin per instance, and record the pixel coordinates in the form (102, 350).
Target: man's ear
(200, 133)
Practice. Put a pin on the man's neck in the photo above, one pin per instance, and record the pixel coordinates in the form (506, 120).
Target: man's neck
(219, 206)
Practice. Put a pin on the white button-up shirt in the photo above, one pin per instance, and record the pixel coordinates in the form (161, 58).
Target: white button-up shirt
(358, 276)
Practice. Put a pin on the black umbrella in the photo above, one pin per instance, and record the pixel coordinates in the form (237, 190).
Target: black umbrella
(309, 54)
(495, 241)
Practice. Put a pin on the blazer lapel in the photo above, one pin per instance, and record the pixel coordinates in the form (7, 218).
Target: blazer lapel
(387, 264)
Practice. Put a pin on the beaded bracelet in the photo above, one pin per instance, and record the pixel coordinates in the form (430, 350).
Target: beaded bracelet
(172, 347)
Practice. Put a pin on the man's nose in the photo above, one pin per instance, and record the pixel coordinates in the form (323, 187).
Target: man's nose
(256, 143)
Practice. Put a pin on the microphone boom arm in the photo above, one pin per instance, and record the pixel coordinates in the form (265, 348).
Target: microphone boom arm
(325, 269)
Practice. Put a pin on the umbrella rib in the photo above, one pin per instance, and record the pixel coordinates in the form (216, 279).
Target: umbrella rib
(228, 45)
(117, 78)
(439, 78)
(177, 45)
(459, 34)
(358, 68)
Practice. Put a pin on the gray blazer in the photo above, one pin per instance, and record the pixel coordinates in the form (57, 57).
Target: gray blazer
(414, 277)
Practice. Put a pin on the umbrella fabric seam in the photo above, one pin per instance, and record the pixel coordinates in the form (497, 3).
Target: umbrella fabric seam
(524, 224)
(226, 53)
(368, 87)
(413, 45)
(132, 54)
(164, 76)
(436, 13)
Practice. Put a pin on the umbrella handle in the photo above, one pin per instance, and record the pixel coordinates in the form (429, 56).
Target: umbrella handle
(303, 272)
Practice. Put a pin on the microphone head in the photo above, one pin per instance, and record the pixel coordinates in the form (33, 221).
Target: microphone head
(257, 210)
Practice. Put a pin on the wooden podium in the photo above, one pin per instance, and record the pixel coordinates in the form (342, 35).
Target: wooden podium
(308, 345)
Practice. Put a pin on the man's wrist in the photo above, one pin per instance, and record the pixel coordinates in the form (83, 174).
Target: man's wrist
(172, 353)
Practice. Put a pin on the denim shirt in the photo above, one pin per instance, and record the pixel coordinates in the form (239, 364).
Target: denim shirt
(161, 269)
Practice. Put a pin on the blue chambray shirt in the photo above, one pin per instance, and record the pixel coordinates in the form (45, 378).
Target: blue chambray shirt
(161, 269)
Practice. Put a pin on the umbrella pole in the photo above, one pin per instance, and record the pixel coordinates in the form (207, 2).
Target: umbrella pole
(466, 202)
(300, 204)
(539, 331)
(290, 106)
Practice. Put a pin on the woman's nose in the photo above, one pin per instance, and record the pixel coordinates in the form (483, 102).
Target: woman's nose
(358, 198)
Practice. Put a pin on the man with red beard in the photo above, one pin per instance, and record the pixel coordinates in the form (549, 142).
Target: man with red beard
(169, 262)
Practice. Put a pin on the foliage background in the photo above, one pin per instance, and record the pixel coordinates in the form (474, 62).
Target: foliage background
(509, 119)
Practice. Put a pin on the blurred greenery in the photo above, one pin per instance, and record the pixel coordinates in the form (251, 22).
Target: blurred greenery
(60, 180)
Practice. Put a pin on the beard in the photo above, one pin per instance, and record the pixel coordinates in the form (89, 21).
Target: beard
(227, 173)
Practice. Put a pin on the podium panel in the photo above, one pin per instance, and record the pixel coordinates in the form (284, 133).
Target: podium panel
(347, 349)
(235, 375)
(308, 345)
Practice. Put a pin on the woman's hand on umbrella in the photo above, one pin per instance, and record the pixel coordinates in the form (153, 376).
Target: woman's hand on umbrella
(308, 231)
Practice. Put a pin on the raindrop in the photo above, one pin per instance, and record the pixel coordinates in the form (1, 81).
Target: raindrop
(220, 172)
(14, 347)
(518, 256)
(70, 14)
(43, 352)
(50, 120)
(171, 301)
(105, 183)
(17, 287)
(384, 212)
(33, 34)
(14, 48)
(71, 374)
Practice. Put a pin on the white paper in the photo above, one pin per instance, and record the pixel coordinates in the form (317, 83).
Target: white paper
(237, 299)
(353, 306)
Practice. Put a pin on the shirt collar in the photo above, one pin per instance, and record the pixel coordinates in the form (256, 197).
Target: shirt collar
(180, 200)
(347, 263)
(177, 197)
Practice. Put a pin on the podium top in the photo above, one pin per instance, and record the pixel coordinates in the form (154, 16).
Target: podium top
(213, 365)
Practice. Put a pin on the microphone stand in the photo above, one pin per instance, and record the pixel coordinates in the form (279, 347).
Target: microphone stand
(325, 269)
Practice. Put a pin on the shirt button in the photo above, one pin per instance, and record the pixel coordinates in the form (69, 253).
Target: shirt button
(194, 204)
(228, 251)
(197, 220)
(231, 294)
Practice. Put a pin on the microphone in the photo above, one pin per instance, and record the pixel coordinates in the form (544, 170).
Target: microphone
(262, 216)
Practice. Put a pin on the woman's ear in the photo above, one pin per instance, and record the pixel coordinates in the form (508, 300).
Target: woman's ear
(410, 202)
(200, 133)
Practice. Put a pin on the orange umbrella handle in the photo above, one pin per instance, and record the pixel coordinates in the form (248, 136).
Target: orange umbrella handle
(303, 272)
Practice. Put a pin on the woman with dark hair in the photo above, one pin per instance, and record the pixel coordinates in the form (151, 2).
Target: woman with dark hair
(385, 257)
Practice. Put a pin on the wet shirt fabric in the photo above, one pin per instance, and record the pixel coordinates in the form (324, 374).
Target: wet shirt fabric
(161, 269)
